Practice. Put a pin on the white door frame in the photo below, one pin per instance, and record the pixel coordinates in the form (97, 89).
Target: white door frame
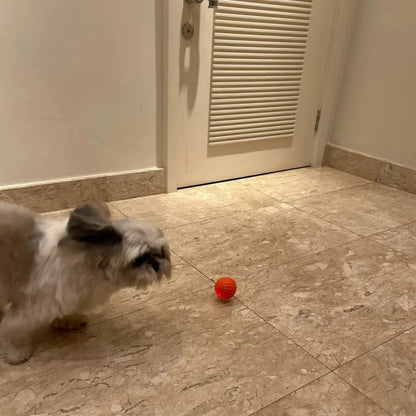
(172, 9)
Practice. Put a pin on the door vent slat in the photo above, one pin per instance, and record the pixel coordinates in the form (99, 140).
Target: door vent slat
(258, 56)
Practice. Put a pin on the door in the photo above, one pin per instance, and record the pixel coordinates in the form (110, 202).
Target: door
(250, 83)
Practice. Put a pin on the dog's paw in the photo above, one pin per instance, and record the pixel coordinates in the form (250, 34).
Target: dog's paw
(70, 323)
(17, 355)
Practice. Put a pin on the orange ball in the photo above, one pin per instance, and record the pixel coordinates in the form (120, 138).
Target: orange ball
(225, 287)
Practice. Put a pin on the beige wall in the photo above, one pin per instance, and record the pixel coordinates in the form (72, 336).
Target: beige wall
(78, 92)
(376, 112)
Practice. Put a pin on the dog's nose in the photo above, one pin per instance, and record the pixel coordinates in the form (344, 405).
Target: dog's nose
(155, 265)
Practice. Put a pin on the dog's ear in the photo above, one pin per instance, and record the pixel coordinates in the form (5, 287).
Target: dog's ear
(90, 223)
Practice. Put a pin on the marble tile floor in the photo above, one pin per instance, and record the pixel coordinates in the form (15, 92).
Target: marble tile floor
(323, 323)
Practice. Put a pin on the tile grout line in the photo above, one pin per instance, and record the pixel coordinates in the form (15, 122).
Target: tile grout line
(259, 190)
(279, 330)
(334, 370)
(331, 371)
(193, 292)
(193, 267)
(343, 364)
(174, 227)
(245, 210)
(313, 253)
(260, 317)
(369, 236)
(336, 190)
(147, 306)
(392, 228)
(359, 237)
(65, 333)
(274, 329)
(279, 201)
(289, 202)
(316, 380)
(353, 232)
(326, 220)
(256, 314)
(375, 347)
(293, 207)
(211, 218)
(284, 335)
(288, 394)
(58, 333)
(364, 394)
(310, 196)
(392, 248)
(114, 207)
(206, 219)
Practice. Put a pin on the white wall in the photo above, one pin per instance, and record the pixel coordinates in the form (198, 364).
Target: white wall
(376, 112)
(78, 92)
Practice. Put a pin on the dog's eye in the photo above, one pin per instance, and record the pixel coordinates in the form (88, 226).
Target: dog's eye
(138, 261)
(165, 253)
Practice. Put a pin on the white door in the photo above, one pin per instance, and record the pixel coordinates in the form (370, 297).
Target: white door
(250, 83)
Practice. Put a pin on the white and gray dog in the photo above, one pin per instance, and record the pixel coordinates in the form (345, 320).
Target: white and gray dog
(54, 270)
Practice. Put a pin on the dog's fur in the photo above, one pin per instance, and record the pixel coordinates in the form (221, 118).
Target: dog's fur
(57, 269)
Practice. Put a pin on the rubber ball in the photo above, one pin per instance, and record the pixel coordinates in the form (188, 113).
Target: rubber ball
(225, 288)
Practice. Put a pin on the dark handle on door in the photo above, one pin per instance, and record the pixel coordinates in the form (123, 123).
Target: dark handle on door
(212, 4)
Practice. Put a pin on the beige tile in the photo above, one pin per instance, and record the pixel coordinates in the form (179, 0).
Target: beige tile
(339, 303)
(388, 374)
(301, 183)
(195, 204)
(242, 244)
(364, 210)
(401, 238)
(351, 162)
(398, 176)
(328, 396)
(194, 356)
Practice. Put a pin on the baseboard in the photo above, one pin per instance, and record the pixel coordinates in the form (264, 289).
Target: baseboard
(371, 168)
(56, 195)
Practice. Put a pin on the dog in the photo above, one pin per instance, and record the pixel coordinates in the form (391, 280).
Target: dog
(54, 271)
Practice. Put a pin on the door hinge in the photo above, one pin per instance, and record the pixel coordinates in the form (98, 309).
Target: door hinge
(318, 119)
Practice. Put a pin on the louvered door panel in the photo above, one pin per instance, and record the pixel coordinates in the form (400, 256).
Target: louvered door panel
(258, 56)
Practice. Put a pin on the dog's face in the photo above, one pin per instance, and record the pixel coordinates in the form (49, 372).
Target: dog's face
(127, 253)
(144, 257)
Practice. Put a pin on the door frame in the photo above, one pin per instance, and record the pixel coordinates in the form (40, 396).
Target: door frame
(171, 38)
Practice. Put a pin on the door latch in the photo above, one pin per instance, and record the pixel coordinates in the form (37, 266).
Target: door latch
(212, 4)
(318, 119)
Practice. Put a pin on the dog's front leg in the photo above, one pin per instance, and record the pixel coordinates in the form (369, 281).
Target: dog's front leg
(70, 322)
(15, 337)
